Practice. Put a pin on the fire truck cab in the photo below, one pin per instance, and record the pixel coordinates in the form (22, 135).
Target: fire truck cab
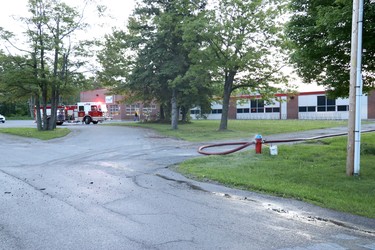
(60, 118)
(88, 112)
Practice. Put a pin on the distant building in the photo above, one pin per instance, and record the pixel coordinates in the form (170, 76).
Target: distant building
(118, 108)
(313, 105)
(304, 105)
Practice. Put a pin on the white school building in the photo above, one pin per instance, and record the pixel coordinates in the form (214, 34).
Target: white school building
(304, 105)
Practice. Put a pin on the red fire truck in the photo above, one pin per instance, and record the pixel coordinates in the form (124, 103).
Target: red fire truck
(86, 112)
(60, 118)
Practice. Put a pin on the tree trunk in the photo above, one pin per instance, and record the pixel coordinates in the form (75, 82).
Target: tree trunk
(52, 119)
(174, 118)
(44, 82)
(45, 117)
(37, 113)
(229, 79)
(184, 113)
(32, 107)
(161, 113)
(55, 83)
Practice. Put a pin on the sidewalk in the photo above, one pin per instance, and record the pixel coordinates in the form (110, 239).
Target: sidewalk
(317, 132)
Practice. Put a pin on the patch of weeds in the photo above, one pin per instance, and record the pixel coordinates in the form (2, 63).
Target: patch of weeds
(318, 142)
(367, 149)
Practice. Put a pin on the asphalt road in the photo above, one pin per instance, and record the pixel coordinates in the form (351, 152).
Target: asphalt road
(111, 187)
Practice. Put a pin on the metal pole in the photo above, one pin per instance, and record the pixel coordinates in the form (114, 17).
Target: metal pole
(352, 92)
(358, 87)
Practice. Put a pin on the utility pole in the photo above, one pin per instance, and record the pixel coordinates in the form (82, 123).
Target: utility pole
(352, 91)
(358, 88)
(355, 92)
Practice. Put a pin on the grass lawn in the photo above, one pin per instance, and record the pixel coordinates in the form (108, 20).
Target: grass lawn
(314, 172)
(34, 133)
(207, 130)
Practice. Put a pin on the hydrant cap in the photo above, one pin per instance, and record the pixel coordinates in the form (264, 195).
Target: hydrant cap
(258, 137)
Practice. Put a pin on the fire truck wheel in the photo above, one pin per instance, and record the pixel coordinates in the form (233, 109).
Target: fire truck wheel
(87, 120)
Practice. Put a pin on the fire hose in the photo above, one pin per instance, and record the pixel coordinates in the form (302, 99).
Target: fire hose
(258, 141)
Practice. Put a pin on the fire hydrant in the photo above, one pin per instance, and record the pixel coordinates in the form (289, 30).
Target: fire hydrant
(258, 144)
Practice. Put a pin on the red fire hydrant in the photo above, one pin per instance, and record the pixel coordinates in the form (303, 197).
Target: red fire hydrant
(258, 144)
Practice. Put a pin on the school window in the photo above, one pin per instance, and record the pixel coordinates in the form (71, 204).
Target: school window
(242, 111)
(342, 107)
(257, 106)
(307, 109)
(149, 108)
(272, 110)
(311, 109)
(131, 109)
(114, 109)
(216, 111)
(325, 104)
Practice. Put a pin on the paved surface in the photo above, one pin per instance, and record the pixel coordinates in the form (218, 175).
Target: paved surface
(115, 190)
(321, 132)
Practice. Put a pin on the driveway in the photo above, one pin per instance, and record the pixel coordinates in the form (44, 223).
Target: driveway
(112, 187)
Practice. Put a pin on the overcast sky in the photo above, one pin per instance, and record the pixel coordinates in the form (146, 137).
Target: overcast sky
(118, 9)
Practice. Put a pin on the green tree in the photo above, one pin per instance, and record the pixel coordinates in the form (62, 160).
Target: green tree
(48, 67)
(51, 26)
(16, 81)
(150, 60)
(242, 45)
(320, 35)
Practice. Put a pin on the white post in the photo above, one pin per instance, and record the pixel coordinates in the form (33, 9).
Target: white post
(358, 87)
(352, 92)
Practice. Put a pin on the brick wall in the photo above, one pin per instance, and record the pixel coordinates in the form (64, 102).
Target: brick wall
(97, 95)
(292, 107)
(232, 112)
(371, 105)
